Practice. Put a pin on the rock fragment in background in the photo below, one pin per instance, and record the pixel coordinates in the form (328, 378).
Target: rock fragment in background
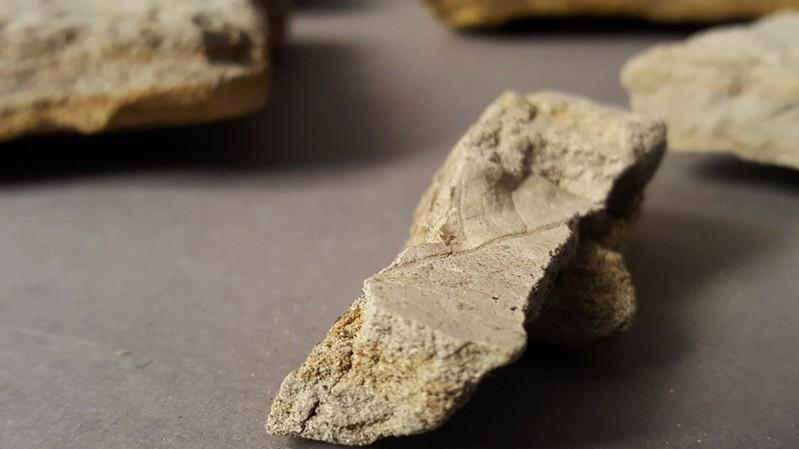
(732, 89)
(489, 13)
(95, 65)
(537, 184)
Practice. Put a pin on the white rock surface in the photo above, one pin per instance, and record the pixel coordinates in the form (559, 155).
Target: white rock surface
(732, 89)
(93, 65)
(502, 218)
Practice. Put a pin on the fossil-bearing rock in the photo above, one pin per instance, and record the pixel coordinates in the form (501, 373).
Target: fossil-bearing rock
(536, 195)
(489, 13)
(731, 89)
(95, 65)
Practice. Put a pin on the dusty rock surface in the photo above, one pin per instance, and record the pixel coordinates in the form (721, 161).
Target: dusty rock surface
(487, 13)
(731, 89)
(542, 186)
(95, 65)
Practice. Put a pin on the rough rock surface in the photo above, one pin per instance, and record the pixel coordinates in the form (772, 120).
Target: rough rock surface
(94, 65)
(733, 89)
(538, 182)
(593, 296)
(487, 13)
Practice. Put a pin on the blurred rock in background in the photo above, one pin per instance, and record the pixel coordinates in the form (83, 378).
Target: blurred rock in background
(489, 13)
(93, 65)
(730, 89)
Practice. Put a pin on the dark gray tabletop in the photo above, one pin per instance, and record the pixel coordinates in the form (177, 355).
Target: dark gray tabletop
(155, 287)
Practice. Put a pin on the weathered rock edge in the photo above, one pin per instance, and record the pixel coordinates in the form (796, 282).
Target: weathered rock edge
(94, 65)
(731, 89)
(504, 215)
(492, 13)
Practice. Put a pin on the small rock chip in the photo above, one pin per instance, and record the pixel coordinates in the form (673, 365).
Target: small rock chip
(732, 89)
(537, 193)
(95, 65)
(488, 13)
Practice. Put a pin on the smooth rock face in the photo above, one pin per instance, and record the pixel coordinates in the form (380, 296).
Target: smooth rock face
(487, 13)
(94, 65)
(538, 183)
(732, 89)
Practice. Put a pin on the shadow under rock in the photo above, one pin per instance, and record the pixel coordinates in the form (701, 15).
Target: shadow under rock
(303, 6)
(321, 114)
(613, 390)
(730, 169)
(585, 26)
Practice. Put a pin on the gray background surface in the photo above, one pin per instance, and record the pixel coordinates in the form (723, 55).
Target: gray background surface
(155, 287)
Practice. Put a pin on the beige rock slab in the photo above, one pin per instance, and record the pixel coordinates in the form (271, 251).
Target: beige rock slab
(731, 89)
(488, 13)
(94, 65)
(503, 219)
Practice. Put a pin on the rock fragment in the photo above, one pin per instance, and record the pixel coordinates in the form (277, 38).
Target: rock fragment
(537, 183)
(489, 13)
(731, 89)
(94, 65)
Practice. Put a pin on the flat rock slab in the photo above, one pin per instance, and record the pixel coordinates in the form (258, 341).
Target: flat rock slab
(488, 13)
(732, 89)
(537, 193)
(94, 65)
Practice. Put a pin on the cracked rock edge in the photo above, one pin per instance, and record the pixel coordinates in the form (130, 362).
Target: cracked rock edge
(539, 192)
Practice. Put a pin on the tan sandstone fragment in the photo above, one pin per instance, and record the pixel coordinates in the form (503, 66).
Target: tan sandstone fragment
(537, 183)
(488, 13)
(95, 65)
(731, 89)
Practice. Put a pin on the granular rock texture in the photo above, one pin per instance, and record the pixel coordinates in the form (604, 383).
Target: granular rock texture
(732, 89)
(538, 192)
(592, 297)
(488, 13)
(94, 65)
